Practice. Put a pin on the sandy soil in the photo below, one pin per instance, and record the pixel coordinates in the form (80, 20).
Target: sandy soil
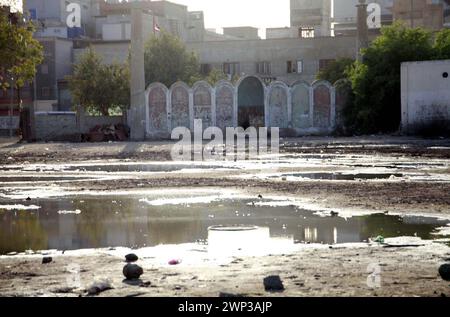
(315, 271)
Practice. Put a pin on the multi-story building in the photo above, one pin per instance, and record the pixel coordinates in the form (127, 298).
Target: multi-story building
(344, 15)
(311, 18)
(430, 14)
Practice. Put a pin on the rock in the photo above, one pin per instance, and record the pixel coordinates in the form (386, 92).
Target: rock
(229, 295)
(132, 271)
(99, 286)
(47, 259)
(273, 284)
(444, 271)
(131, 258)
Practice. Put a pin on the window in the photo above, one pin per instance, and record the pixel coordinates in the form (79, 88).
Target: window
(290, 65)
(44, 69)
(306, 32)
(263, 68)
(231, 68)
(323, 63)
(299, 66)
(45, 92)
(205, 69)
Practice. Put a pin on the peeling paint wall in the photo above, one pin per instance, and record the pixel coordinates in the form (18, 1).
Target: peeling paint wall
(302, 108)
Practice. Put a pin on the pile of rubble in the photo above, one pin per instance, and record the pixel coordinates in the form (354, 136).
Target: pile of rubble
(105, 133)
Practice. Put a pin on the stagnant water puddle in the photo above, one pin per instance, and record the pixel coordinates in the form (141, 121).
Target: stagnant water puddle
(337, 176)
(117, 167)
(82, 222)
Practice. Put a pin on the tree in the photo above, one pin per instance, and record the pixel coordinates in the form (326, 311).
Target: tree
(167, 61)
(215, 75)
(335, 70)
(376, 80)
(20, 54)
(442, 44)
(100, 88)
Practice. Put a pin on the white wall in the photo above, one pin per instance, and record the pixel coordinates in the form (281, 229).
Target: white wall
(425, 93)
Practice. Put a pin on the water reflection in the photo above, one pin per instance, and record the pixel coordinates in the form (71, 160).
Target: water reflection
(126, 221)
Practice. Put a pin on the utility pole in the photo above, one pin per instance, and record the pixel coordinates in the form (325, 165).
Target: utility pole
(136, 118)
(362, 30)
(11, 109)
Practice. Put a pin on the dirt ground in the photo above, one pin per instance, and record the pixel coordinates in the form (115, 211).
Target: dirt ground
(314, 271)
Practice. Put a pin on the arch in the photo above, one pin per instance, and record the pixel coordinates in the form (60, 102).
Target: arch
(157, 109)
(322, 100)
(203, 103)
(251, 102)
(301, 105)
(342, 89)
(180, 105)
(225, 106)
(278, 96)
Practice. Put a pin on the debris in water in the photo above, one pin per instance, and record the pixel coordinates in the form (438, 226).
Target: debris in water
(69, 212)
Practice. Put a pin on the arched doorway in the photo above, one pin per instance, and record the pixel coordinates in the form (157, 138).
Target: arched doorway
(251, 103)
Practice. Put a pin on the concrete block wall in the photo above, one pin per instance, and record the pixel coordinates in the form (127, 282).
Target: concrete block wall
(68, 126)
(56, 126)
(425, 94)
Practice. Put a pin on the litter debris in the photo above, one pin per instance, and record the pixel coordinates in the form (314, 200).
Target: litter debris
(174, 262)
(108, 133)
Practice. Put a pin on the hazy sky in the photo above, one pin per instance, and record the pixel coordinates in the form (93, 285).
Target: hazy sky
(257, 13)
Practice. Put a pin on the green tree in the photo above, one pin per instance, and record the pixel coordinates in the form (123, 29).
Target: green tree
(168, 61)
(20, 54)
(442, 44)
(336, 70)
(100, 88)
(376, 80)
(215, 76)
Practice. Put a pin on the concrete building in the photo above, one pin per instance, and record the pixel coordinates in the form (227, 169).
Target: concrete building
(286, 59)
(51, 87)
(51, 17)
(420, 13)
(425, 95)
(242, 32)
(311, 18)
(344, 15)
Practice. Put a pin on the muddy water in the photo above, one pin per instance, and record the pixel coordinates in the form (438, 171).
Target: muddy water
(339, 176)
(98, 222)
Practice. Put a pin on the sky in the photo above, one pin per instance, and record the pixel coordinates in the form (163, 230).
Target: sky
(257, 13)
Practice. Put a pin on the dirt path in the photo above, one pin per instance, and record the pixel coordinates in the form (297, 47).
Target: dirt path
(313, 272)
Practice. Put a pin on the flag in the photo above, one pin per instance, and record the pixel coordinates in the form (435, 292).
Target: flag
(156, 27)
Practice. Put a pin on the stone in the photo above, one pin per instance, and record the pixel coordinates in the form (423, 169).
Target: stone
(444, 271)
(99, 286)
(131, 258)
(132, 271)
(46, 260)
(273, 284)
